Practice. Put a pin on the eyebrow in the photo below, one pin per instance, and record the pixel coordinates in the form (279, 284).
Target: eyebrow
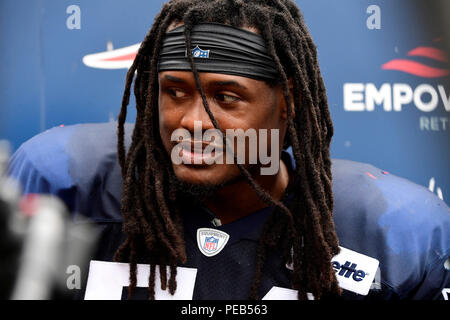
(173, 79)
(228, 83)
(224, 83)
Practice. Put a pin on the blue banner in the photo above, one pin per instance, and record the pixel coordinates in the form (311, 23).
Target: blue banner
(385, 65)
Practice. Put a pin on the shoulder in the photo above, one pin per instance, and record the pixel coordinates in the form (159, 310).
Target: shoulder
(400, 223)
(377, 190)
(73, 162)
(386, 202)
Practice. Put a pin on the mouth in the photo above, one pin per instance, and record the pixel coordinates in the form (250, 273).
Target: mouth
(199, 152)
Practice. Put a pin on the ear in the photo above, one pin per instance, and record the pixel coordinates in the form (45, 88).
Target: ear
(291, 95)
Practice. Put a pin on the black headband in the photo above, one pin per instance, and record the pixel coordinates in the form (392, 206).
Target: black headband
(218, 48)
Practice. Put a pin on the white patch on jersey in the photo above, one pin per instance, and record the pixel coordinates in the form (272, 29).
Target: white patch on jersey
(211, 241)
(106, 280)
(355, 271)
(445, 293)
(278, 293)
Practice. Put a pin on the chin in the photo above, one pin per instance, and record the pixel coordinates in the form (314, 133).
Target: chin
(215, 175)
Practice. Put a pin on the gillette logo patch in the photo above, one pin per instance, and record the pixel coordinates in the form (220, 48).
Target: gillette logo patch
(355, 271)
(349, 269)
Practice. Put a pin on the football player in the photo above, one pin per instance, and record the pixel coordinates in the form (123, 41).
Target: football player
(316, 228)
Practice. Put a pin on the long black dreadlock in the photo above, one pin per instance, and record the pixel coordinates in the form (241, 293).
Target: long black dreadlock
(152, 221)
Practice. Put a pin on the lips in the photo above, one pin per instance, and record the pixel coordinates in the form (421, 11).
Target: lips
(199, 152)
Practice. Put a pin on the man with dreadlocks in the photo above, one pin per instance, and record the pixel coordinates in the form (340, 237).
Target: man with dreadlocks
(316, 228)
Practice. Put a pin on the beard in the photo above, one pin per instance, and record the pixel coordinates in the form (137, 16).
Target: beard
(197, 194)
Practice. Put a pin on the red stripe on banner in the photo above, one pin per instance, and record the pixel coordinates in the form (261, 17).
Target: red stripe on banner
(429, 52)
(415, 68)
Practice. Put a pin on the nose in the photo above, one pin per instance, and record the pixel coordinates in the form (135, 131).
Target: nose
(194, 115)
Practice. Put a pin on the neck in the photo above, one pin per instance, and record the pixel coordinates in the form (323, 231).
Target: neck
(239, 199)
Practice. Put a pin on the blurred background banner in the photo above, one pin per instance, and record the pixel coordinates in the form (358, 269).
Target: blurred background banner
(385, 65)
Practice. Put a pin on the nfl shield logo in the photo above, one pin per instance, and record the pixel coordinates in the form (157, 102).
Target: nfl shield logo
(199, 53)
(211, 241)
(211, 244)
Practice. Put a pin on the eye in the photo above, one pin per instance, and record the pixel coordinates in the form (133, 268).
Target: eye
(226, 98)
(176, 93)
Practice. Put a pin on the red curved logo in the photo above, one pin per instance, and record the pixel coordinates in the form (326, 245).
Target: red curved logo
(112, 59)
(417, 68)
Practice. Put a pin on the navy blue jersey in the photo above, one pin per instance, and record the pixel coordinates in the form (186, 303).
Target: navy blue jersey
(394, 233)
